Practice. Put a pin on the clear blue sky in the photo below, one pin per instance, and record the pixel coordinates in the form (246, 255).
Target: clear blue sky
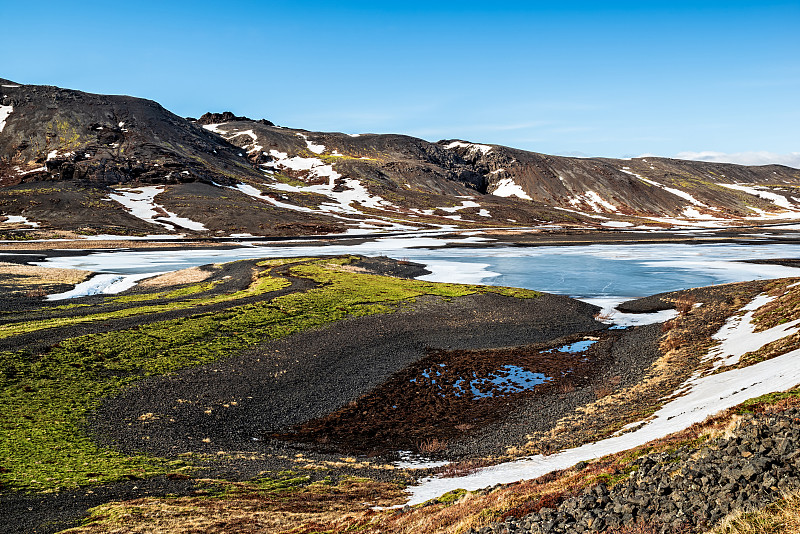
(596, 78)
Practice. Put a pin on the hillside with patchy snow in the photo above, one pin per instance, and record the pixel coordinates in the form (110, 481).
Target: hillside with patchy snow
(76, 161)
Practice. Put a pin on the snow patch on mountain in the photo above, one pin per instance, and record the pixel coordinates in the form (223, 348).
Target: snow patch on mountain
(5, 111)
(250, 147)
(140, 202)
(19, 219)
(473, 147)
(763, 193)
(313, 147)
(315, 167)
(595, 201)
(507, 187)
(676, 192)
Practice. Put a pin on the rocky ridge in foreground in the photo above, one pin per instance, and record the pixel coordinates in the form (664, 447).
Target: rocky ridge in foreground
(686, 490)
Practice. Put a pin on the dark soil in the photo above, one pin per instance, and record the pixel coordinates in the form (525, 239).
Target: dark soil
(44, 513)
(432, 400)
(309, 375)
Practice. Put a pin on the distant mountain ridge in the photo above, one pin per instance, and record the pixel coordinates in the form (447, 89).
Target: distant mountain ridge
(71, 160)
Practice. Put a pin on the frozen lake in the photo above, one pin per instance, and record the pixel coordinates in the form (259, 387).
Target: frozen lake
(587, 272)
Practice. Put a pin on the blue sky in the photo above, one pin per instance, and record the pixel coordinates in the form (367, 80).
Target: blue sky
(603, 79)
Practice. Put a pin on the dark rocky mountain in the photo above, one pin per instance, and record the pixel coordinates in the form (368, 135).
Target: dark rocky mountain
(75, 161)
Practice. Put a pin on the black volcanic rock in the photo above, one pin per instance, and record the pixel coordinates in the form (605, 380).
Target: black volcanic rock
(107, 139)
(227, 116)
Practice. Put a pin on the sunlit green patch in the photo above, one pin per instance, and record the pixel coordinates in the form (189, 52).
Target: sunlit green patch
(45, 397)
(262, 284)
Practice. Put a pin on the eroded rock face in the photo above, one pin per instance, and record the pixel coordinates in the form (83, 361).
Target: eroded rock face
(685, 490)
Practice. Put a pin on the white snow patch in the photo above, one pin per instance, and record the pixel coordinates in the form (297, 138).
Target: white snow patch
(230, 135)
(5, 111)
(464, 204)
(595, 201)
(610, 315)
(693, 213)
(778, 200)
(617, 224)
(473, 147)
(140, 203)
(19, 219)
(738, 336)
(315, 148)
(10, 86)
(507, 187)
(102, 284)
(676, 192)
(484, 213)
(409, 460)
(314, 166)
(256, 193)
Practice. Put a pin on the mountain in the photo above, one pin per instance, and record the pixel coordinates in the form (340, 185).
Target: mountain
(87, 163)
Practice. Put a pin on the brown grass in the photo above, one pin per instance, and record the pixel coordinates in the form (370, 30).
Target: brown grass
(684, 305)
(346, 508)
(432, 445)
(781, 517)
(246, 509)
(184, 276)
(32, 274)
(566, 387)
(460, 469)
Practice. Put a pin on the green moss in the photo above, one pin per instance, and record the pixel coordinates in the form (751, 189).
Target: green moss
(44, 398)
(164, 295)
(768, 399)
(452, 496)
(282, 178)
(261, 285)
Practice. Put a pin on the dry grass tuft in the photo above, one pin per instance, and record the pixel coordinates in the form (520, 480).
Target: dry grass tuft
(607, 388)
(646, 528)
(781, 517)
(431, 445)
(566, 387)
(684, 305)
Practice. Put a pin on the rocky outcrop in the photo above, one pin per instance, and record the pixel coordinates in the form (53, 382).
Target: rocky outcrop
(225, 116)
(685, 489)
(54, 134)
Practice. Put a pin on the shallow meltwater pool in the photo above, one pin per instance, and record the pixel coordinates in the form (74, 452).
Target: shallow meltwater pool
(506, 380)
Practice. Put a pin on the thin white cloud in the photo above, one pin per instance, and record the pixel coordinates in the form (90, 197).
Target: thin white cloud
(791, 159)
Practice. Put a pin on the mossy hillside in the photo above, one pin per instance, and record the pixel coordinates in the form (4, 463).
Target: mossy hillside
(262, 284)
(45, 397)
(192, 289)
